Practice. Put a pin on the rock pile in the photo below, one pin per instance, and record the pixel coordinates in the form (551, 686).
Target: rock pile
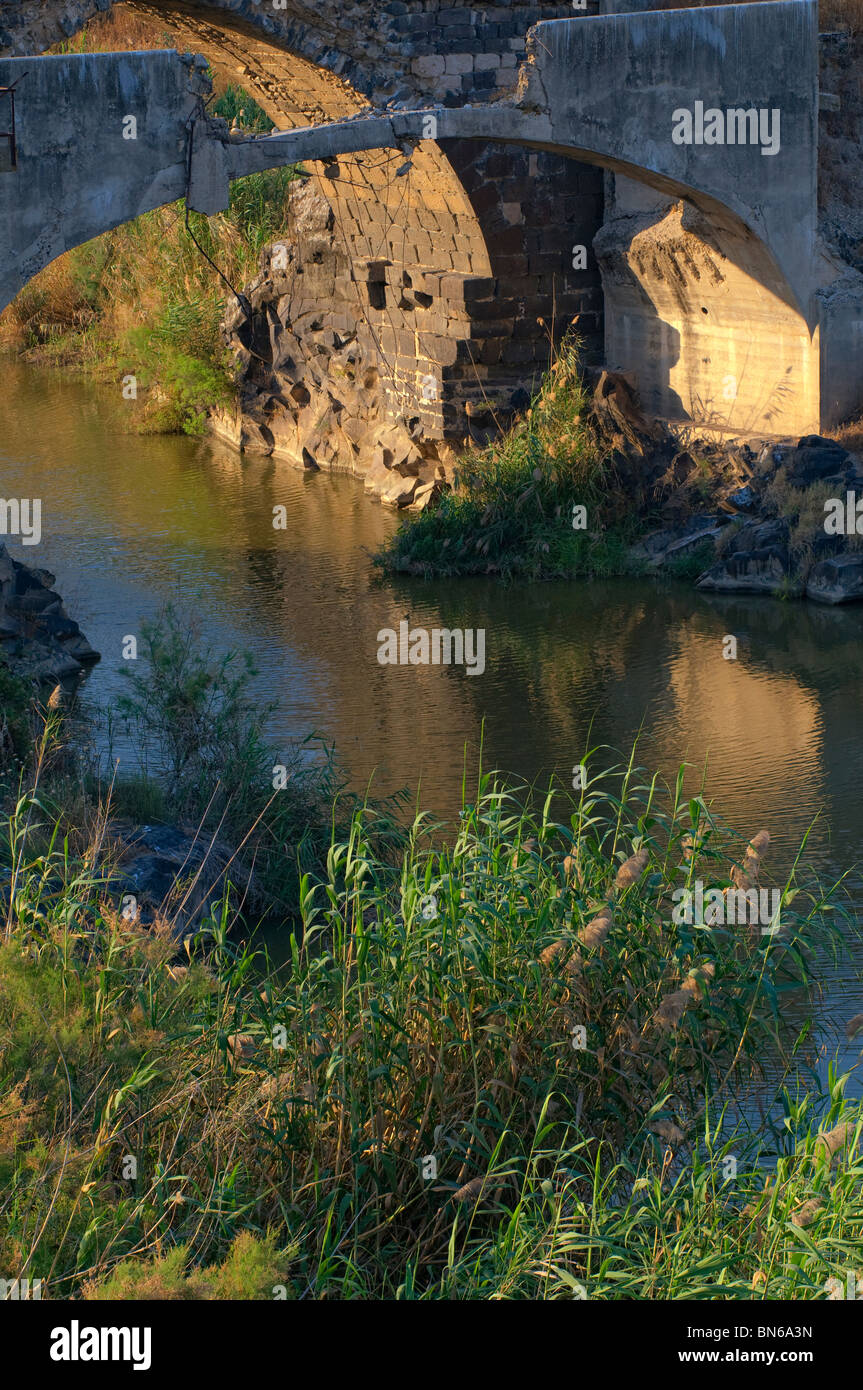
(770, 552)
(171, 874)
(38, 639)
(760, 506)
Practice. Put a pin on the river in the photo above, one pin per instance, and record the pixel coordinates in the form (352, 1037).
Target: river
(130, 521)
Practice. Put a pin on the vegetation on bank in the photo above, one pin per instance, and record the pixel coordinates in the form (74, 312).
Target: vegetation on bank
(494, 1066)
(191, 732)
(530, 504)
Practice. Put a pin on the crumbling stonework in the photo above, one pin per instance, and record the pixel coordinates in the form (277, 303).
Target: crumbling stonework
(312, 391)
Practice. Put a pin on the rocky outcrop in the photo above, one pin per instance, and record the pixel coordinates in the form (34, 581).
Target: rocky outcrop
(38, 639)
(838, 580)
(169, 874)
(760, 507)
(757, 561)
(763, 554)
(311, 390)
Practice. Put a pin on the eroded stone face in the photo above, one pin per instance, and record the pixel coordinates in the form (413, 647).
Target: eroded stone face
(702, 311)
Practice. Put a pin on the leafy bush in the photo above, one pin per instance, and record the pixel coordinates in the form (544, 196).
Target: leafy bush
(193, 716)
(198, 728)
(252, 1269)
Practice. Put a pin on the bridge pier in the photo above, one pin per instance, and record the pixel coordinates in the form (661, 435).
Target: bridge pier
(720, 295)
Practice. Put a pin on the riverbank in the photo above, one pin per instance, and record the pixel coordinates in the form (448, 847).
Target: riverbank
(486, 1061)
(39, 642)
(586, 486)
(497, 1065)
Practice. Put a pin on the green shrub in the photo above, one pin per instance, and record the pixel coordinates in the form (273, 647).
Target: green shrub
(235, 100)
(199, 731)
(251, 1270)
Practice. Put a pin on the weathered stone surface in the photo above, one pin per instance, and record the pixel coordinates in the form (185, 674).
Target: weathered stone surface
(752, 572)
(756, 561)
(173, 874)
(815, 458)
(313, 394)
(38, 639)
(743, 499)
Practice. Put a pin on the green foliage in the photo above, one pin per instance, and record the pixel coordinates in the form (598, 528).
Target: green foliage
(251, 1270)
(192, 715)
(184, 388)
(691, 563)
(198, 725)
(259, 208)
(236, 104)
(16, 703)
(511, 511)
(142, 300)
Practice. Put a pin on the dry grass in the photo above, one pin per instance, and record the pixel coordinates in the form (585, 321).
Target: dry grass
(805, 509)
(51, 305)
(849, 435)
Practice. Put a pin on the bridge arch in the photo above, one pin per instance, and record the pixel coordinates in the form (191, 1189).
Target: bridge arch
(462, 221)
(483, 271)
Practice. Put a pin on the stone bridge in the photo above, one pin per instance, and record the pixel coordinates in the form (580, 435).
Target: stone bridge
(702, 256)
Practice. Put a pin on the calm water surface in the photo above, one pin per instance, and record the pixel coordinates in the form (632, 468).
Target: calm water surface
(129, 522)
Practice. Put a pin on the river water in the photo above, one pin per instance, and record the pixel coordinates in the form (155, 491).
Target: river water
(129, 522)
